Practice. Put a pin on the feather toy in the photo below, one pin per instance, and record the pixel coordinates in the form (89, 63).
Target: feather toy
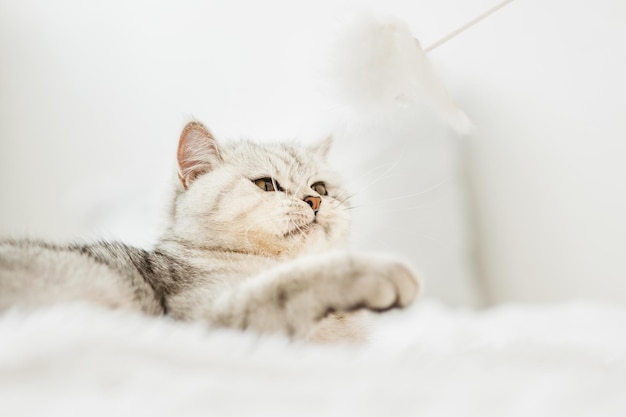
(379, 66)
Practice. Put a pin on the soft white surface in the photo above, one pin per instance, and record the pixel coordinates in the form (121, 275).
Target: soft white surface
(561, 360)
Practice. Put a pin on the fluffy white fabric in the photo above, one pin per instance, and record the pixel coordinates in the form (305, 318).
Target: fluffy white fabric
(565, 360)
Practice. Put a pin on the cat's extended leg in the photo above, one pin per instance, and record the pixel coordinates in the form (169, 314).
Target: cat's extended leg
(294, 297)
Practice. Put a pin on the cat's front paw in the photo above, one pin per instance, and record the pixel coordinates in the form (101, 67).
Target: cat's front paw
(367, 284)
(393, 284)
(375, 284)
(296, 297)
(349, 283)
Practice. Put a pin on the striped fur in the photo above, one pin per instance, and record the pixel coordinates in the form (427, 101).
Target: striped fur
(233, 255)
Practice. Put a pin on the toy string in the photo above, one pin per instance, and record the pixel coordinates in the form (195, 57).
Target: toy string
(467, 25)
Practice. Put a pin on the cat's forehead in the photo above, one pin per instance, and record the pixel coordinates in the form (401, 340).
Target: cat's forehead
(286, 159)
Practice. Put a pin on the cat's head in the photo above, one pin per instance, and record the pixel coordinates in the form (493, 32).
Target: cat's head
(275, 200)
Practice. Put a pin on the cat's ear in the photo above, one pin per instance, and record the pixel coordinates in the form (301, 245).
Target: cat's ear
(198, 153)
(322, 148)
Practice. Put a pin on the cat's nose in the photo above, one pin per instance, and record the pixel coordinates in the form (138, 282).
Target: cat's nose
(314, 202)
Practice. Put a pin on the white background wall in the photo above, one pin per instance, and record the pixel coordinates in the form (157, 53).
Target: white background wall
(92, 95)
(547, 88)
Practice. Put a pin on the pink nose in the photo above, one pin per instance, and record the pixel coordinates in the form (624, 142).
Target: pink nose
(314, 202)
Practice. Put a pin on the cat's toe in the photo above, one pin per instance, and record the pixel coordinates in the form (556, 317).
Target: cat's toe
(387, 285)
(406, 283)
(382, 296)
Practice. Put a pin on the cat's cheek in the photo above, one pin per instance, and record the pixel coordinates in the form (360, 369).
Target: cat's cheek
(336, 224)
(270, 229)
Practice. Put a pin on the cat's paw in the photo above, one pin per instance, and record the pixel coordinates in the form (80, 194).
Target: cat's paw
(350, 283)
(374, 284)
(296, 297)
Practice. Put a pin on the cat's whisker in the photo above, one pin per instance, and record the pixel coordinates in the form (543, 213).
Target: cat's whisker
(376, 205)
(302, 232)
(376, 179)
(339, 205)
(338, 201)
(372, 170)
(387, 210)
(391, 199)
(412, 195)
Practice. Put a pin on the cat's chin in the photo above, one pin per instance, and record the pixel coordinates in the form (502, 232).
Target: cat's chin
(303, 230)
(304, 239)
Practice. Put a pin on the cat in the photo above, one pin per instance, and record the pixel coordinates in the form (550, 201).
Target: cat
(256, 240)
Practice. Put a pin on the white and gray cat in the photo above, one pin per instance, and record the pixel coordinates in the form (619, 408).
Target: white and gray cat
(254, 242)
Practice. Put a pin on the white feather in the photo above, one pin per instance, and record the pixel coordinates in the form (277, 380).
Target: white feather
(378, 67)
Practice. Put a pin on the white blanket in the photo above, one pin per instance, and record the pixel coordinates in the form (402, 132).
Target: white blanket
(560, 360)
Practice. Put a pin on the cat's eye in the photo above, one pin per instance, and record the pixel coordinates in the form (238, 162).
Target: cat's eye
(267, 184)
(320, 188)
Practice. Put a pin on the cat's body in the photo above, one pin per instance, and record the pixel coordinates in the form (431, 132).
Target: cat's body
(255, 241)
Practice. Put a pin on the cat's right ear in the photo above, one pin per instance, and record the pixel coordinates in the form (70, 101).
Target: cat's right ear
(198, 153)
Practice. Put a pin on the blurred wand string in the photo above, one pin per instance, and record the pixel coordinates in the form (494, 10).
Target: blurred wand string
(467, 25)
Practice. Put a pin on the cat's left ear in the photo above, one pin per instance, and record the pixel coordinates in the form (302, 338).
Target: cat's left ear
(198, 153)
(322, 148)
